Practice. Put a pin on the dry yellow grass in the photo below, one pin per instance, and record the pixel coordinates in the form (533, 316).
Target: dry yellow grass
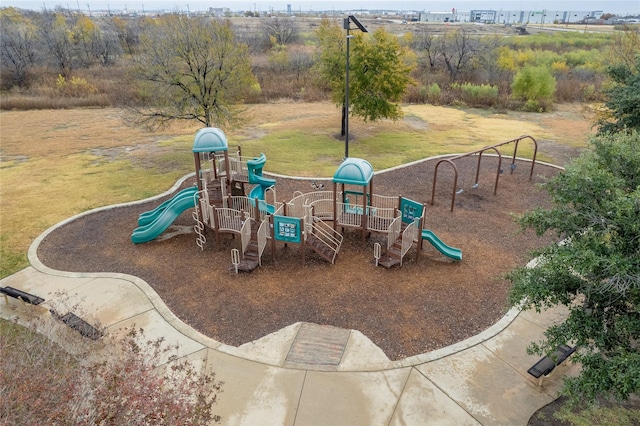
(58, 163)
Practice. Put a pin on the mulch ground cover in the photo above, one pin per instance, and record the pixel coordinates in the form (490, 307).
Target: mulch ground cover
(424, 305)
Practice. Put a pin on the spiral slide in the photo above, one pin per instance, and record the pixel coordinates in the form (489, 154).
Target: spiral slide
(156, 221)
(448, 251)
(262, 183)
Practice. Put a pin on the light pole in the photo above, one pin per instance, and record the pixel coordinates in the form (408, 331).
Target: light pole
(347, 26)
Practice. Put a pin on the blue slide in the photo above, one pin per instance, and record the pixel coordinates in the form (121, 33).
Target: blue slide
(262, 183)
(258, 191)
(148, 217)
(162, 218)
(448, 251)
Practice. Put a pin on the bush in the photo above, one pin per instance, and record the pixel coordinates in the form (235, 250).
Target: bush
(477, 95)
(43, 384)
(434, 93)
(536, 86)
(75, 87)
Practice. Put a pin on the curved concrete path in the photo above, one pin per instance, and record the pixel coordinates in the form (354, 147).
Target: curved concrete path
(307, 374)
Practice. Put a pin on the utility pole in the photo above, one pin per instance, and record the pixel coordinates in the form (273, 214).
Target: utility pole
(347, 26)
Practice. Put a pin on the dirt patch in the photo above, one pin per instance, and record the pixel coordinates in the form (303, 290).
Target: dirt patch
(424, 305)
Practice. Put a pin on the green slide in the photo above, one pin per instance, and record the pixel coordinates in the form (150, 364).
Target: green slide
(164, 217)
(262, 183)
(448, 251)
(148, 217)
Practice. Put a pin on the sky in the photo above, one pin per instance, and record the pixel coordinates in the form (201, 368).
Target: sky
(625, 7)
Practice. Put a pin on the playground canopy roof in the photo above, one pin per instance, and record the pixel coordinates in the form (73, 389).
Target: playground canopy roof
(354, 171)
(210, 139)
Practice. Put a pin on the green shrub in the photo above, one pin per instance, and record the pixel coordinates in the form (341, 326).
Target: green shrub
(535, 85)
(434, 93)
(477, 95)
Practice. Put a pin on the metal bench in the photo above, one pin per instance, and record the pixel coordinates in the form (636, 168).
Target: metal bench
(547, 364)
(20, 295)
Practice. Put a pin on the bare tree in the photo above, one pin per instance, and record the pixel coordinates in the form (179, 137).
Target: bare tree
(458, 50)
(427, 47)
(55, 35)
(280, 30)
(300, 60)
(17, 46)
(192, 69)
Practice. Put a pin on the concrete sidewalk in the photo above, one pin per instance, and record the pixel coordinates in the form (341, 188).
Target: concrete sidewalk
(308, 374)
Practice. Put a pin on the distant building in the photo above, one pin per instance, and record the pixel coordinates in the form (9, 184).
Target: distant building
(483, 16)
(219, 11)
(437, 17)
(533, 16)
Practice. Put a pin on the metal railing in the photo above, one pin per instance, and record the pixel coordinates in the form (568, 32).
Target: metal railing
(408, 236)
(229, 220)
(245, 234)
(349, 215)
(381, 219)
(263, 235)
(328, 236)
(394, 231)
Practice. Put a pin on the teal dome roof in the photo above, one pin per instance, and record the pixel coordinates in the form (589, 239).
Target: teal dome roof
(354, 171)
(210, 139)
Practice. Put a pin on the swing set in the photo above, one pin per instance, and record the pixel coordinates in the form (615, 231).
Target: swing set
(479, 153)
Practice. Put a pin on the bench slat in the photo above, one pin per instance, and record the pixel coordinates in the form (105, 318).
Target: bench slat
(548, 363)
(19, 294)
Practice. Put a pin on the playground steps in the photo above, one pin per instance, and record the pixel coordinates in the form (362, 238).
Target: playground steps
(388, 262)
(393, 256)
(246, 265)
(250, 259)
(251, 253)
(320, 247)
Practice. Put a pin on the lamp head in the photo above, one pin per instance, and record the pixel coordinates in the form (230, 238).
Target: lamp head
(355, 20)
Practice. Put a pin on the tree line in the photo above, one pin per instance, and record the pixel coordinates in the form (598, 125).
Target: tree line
(453, 67)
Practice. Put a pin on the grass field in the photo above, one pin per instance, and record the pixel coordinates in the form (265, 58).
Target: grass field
(58, 163)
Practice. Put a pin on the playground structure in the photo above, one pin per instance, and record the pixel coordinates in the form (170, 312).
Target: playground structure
(479, 153)
(222, 207)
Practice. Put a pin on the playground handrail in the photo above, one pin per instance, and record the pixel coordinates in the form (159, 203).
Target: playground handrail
(210, 216)
(223, 187)
(203, 200)
(217, 162)
(380, 219)
(295, 209)
(296, 204)
(229, 219)
(383, 201)
(349, 215)
(308, 221)
(322, 208)
(263, 234)
(407, 237)
(328, 235)
(245, 234)
(394, 231)
(238, 202)
(279, 209)
(238, 167)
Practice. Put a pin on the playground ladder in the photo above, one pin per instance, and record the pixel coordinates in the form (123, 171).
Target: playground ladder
(324, 240)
